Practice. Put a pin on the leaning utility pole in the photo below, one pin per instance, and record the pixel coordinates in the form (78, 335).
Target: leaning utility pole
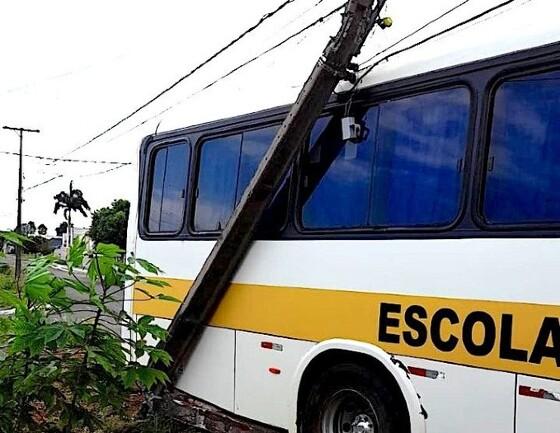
(20, 193)
(212, 282)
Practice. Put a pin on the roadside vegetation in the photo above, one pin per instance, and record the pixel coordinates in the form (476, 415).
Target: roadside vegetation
(109, 224)
(62, 374)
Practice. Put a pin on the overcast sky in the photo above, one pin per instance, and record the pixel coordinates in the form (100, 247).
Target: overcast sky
(72, 68)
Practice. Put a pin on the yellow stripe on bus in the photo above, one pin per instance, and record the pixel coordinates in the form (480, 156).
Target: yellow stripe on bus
(507, 336)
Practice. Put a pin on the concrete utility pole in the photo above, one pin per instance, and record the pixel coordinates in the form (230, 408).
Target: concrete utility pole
(210, 285)
(20, 193)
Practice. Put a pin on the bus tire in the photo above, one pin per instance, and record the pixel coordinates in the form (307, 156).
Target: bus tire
(350, 398)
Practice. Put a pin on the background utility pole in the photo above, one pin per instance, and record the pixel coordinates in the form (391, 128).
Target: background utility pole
(20, 193)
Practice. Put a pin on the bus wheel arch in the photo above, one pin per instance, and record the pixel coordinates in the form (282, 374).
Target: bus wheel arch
(351, 357)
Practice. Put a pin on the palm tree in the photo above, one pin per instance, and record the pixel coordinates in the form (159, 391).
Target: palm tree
(42, 229)
(74, 201)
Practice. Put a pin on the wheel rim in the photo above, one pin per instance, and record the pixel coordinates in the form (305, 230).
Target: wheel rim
(349, 411)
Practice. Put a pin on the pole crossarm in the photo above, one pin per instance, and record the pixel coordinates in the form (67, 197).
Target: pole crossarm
(213, 280)
(11, 128)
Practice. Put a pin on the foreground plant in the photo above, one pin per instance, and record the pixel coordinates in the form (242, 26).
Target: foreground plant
(60, 371)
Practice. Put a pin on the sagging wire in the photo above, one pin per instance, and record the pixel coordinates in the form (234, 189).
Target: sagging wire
(246, 32)
(320, 20)
(83, 161)
(418, 30)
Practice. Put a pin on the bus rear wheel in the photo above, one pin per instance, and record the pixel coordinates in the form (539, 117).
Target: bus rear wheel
(349, 398)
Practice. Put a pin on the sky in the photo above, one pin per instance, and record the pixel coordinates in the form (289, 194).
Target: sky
(72, 69)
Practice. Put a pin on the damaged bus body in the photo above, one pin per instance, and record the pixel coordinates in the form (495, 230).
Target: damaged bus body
(408, 272)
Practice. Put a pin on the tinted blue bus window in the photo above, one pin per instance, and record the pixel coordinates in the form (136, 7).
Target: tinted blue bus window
(523, 172)
(168, 191)
(405, 171)
(158, 174)
(419, 151)
(217, 182)
(255, 144)
(341, 196)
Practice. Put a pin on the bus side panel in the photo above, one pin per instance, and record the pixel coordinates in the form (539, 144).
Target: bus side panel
(264, 376)
(463, 399)
(209, 372)
(538, 405)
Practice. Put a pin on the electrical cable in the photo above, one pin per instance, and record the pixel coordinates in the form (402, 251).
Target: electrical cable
(44, 182)
(427, 39)
(264, 18)
(237, 68)
(79, 177)
(418, 30)
(103, 172)
(84, 161)
(284, 41)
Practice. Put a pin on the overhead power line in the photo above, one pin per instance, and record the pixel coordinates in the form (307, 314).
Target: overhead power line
(418, 30)
(284, 41)
(104, 171)
(58, 176)
(187, 75)
(44, 182)
(84, 161)
(240, 66)
(429, 38)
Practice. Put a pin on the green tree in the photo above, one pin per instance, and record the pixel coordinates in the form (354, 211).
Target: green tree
(108, 224)
(42, 229)
(62, 374)
(31, 228)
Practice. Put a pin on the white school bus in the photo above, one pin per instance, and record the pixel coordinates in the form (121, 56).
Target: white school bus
(407, 281)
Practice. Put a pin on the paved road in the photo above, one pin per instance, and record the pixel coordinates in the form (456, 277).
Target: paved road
(80, 311)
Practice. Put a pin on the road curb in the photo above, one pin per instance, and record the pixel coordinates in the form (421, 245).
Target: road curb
(65, 269)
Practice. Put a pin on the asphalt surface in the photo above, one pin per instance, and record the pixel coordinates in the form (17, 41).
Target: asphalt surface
(81, 312)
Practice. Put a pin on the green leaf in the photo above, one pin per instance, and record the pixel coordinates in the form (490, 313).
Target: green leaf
(109, 250)
(76, 254)
(159, 355)
(102, 361)
(78, 286)
(164, 297)
(14, 238)
(150, 267)
(148, 376)
(157, 332)
(96, 300)
(129, 377)
(157, 283)
(78, 331)
(52, 333)
(11, 300)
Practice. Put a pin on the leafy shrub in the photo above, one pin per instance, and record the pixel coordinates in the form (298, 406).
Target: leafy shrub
(37, 245)
(7, 282)
(62, 374)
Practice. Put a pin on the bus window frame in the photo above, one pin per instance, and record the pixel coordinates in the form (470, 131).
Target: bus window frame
(523, 69)
(366, 100)
(255, 125)
(148, 171)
